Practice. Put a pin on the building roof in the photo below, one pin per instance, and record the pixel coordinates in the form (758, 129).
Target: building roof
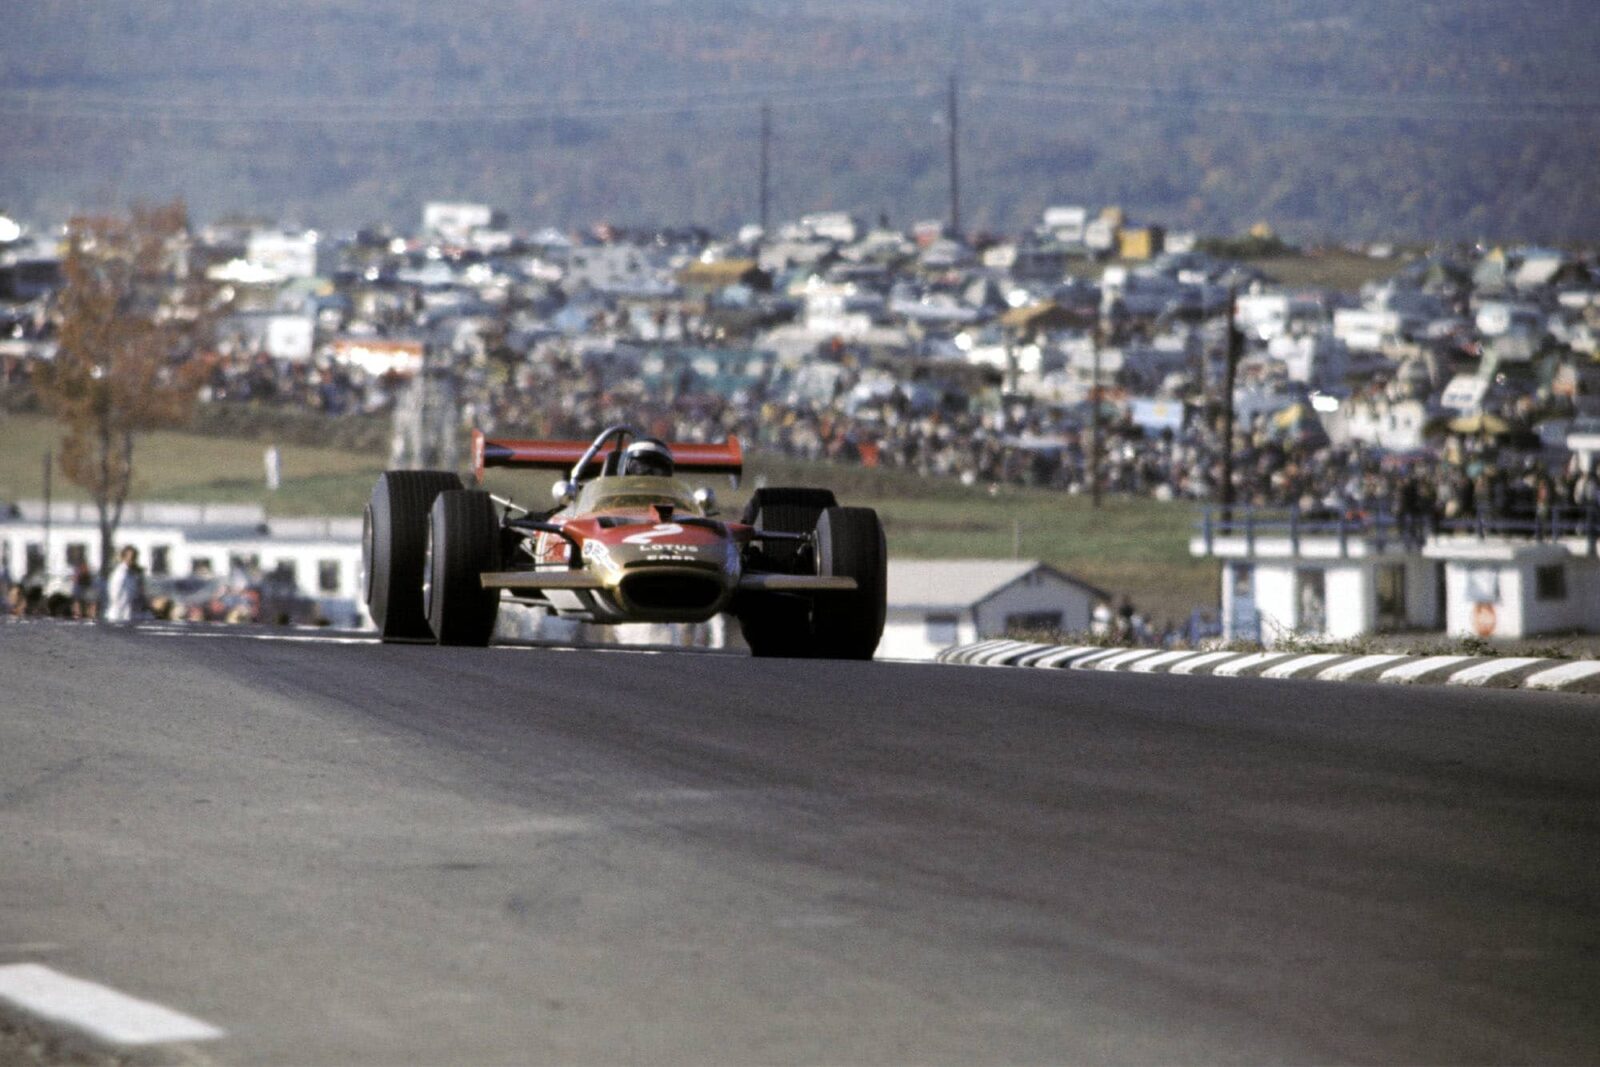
(724, 272)
(961, 583)
(1045, 315)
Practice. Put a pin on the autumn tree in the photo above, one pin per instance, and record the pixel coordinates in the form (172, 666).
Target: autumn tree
(129, 325)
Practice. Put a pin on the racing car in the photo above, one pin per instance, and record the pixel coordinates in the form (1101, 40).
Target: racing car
(627, 541)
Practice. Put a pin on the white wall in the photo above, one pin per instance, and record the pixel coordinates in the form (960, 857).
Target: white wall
(341, 546)
(906, 636)
(1274, 584)
(1518, 611)
(1351, 606)
(1047, 594)
(906, 629)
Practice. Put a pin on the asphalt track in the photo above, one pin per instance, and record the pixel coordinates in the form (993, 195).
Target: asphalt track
(352, 853)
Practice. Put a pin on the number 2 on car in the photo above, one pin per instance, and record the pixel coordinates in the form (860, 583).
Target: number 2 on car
(661, 529)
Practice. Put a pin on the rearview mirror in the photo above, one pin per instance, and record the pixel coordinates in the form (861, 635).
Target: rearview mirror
(707, 501)
(562, 491)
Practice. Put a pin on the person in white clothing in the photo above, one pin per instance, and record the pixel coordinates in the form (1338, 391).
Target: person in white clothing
(125, 587)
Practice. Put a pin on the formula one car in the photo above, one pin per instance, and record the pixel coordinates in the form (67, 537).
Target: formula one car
(627, 541)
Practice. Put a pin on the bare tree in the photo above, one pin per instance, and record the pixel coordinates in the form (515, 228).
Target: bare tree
(129, 325)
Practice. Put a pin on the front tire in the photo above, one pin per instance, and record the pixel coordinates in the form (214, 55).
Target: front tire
(463, 542)
(779, 624)
(394, 537)
(850, 543)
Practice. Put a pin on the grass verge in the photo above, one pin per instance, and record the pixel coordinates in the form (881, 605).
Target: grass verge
(1128, 546)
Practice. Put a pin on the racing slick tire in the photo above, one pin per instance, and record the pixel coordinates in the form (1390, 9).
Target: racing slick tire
(784, 506)
(776, 624)
(850, 543)
(779, 624)
(393, 538)
(463, 542)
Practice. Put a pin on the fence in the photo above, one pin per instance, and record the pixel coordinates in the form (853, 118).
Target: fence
(1405, 531)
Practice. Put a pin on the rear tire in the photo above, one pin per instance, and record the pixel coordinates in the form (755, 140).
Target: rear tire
(779, 624)
(393, 539)
(773, 501)
(463, 542)
(850, 543)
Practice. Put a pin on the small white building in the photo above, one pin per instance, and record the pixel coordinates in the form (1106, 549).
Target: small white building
(831, 225)
(1397, 425)
(1066, 222)
(1370, 329)
(1283, 578)
(1279, 580)
(456, 221)
(288, 255)
(321, 555)
(1497, 587)
(933, 604)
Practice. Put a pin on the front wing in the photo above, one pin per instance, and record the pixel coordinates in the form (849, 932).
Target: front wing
(572, 581)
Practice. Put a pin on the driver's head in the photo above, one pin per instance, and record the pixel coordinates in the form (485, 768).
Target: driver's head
(647, 456)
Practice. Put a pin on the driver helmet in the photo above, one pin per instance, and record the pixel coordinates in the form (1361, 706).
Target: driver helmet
(647, 456)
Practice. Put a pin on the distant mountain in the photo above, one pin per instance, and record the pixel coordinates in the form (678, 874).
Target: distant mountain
(1359, 119)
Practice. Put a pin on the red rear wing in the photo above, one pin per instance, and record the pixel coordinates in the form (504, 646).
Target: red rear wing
(724, 458)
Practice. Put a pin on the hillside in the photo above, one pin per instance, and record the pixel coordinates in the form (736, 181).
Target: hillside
(1359, 118)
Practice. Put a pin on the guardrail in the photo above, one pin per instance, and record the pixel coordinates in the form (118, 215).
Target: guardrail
(1384, 528)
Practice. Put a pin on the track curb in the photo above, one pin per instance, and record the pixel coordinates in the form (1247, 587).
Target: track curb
(1479, 672)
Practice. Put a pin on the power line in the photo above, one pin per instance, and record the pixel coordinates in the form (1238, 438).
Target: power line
(294, 110)
(1270, 101)
(1262, 101)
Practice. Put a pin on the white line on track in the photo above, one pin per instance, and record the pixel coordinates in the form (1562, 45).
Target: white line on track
(97, 1010)
(238, 635)
(320, 638)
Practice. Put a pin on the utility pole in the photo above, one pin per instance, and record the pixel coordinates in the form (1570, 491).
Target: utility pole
(1235, 339)
(766, 170)
(1094, 413)
(49, 466)
(955, 168)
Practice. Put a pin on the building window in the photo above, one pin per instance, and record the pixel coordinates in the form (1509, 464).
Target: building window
(941, 629)
(1035, 622)
(287, 573)
(160, 560)
(1244, 575)
(1550, 582)
(35, 559)
(328, 576)
(200, 566)
(77, 554)
(1311, 600)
